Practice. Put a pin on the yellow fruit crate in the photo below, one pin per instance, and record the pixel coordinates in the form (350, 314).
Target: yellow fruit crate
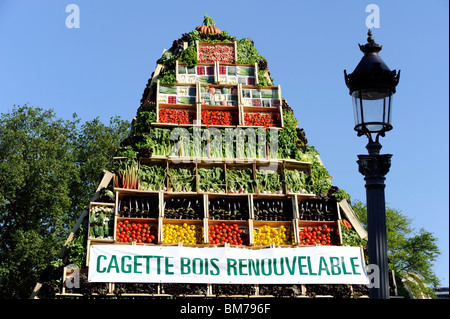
(186, 232)
(278, 233)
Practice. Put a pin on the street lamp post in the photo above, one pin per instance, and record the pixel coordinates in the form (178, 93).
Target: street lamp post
(372, 86)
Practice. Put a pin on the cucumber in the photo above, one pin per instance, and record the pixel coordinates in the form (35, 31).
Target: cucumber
(181, 69)
(168, 89)
(245, 71)
(256, 94)
(267, 94)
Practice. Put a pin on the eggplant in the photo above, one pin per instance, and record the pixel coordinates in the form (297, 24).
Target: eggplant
(302, 210)
(218, 206)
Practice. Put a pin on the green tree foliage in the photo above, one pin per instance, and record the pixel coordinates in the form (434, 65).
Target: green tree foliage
(48, 169)
(410, 252)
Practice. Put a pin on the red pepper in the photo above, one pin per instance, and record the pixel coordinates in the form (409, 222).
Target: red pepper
(182, 117)
(163, 116)
(172, 100)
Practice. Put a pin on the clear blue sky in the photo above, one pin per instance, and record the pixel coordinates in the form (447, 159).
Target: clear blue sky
(101, 69)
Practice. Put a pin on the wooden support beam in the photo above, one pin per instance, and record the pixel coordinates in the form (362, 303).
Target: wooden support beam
(107, 177)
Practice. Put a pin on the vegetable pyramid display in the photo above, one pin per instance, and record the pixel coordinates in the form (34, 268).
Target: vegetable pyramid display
(214, 141)
(215, 157)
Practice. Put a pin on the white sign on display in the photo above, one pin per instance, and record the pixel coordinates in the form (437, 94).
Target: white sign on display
(225, 265)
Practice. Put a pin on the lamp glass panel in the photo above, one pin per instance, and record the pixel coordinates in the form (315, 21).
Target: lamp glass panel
(372, 109)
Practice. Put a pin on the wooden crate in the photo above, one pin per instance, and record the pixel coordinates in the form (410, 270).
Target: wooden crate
(303, 203)
(179, 163)
(269, 167)
(243, 164)
(180, 223)
(209, 166)
(259, 203)
(201, 73)
(175, 99)
(291, 165)
(173, 200)
(151, 222)
(143, 200)
(256, 102)
(333, 225)
(232, 74)
(231, 46)
(257, 224)
(244, 200)
(241, 224)
(110, 206)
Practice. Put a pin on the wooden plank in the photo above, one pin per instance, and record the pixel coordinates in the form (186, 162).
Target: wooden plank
(216, 72)
(160, 230)
(295, 207)
(280, 107)
(88, 252)
(251, 232)
(196, 48)
(241, 112)
(348, 212)
(157, 103)
(106, 179)
(34, 293)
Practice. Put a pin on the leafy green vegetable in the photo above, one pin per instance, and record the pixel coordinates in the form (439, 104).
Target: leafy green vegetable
(351, 238)
(268, 181)
(297, 180)
(152, 178)
(181, 179)
(144, 118)
(167, 59)
(160, 138)
(168, 77)
(126, 151)
(211, 180)
(240, 180)
(189, 56)
(246, 52)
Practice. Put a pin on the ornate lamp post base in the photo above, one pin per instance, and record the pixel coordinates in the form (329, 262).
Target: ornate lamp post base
(374, 167)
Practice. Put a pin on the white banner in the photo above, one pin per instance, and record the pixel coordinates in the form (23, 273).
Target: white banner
(224, 265)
